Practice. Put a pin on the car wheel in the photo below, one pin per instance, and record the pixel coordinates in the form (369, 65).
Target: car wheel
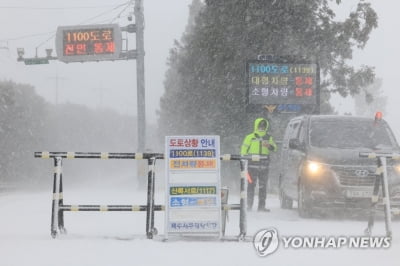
(286, 202)
(304, 200)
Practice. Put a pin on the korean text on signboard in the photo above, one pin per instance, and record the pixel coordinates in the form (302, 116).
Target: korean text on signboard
(193, 204)
(88, 43)
(282, 83)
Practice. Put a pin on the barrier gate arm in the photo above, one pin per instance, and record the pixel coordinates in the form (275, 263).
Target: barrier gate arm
(97, 155)
(58, 207)
(381, 178)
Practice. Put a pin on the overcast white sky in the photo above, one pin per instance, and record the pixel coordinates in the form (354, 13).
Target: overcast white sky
(113, 84)
(382, 51)
(104, 84)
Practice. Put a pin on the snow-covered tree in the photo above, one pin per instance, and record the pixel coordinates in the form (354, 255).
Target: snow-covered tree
(28, 123)
(22, 114)
(371, 100)
(205, 89)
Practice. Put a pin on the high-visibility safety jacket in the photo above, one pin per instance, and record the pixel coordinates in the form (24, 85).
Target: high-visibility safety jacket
(257, 141)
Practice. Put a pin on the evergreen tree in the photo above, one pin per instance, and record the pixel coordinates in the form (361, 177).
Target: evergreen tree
(22, 116)
(205, 89)
(28, 124)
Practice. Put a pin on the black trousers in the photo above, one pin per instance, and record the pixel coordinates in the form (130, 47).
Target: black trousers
(259, 174)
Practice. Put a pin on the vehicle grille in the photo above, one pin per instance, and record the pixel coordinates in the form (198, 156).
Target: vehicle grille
(348, 177)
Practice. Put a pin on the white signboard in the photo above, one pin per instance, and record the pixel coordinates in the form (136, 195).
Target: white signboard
(193, 180)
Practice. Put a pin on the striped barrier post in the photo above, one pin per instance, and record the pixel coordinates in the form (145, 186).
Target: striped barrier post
(58, 206)
(150, 230)
(55, 208)
(381, 178)
(243, 199)
(243, 189)
(60, 203)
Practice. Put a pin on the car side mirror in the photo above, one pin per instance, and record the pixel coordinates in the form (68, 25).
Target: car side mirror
(295, 144)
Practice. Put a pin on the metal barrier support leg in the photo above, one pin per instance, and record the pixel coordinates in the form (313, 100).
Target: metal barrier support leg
(153, 177)
(56, 197)
(243, 199)
(386, 198)
(150, 199)
(224, 212)
(61, 203)
(374, 199)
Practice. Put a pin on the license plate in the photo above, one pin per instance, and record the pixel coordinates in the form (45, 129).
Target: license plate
(359, 193)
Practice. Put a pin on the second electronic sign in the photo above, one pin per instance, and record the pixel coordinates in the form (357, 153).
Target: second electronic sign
(282, 83)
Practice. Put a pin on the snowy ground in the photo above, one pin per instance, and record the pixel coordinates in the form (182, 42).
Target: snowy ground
(118, 238)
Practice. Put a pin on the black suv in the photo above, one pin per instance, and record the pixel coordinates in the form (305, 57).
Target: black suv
(320, 165)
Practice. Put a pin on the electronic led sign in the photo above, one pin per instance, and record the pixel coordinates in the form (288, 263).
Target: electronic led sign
(88, 43)
(282, 83)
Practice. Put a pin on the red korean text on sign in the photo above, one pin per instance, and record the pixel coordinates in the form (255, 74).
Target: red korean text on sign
(98, 48)
(69, 49)
(80, 48)
(308, 92)
(299, 92)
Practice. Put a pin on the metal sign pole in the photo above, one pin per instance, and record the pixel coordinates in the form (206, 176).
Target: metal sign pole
(139, 17)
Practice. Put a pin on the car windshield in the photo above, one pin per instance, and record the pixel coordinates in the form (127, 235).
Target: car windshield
(350, 134)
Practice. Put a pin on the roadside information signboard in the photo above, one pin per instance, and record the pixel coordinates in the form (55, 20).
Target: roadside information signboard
(282, 83)
(193, 180)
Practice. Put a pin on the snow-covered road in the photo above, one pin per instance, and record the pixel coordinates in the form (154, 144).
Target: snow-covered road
(118, 238)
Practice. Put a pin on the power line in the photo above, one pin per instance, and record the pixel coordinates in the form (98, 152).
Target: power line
(105, 12)
(26, 36)
(53, 8)
(54, 34)
(126, 4)
(119, 15)
(107, 21)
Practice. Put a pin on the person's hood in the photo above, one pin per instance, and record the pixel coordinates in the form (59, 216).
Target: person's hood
(256, 123)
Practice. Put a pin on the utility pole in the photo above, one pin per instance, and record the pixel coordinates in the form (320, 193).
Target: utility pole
(57, 78)
(141, 107)
(100, 90)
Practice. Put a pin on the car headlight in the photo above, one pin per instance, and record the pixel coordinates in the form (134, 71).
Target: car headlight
(313, 167)
(397, 168)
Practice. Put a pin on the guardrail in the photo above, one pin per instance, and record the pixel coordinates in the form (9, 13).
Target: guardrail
(58, 206)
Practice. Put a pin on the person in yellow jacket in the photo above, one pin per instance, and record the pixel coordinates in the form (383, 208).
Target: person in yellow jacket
(261, 143)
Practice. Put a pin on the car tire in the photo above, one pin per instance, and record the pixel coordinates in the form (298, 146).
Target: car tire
(304, 200)
(285, 201)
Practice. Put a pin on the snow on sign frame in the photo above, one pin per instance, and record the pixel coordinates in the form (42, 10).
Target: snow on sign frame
(273, 82)
(193, 186)
(83, 43)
